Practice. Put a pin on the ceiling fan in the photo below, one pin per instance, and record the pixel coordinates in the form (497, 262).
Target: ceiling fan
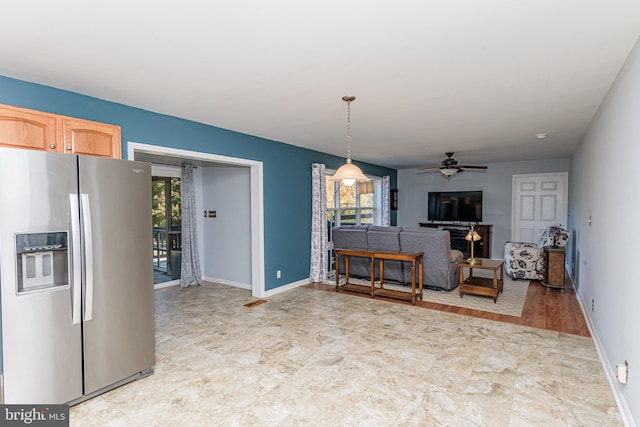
(449, 167)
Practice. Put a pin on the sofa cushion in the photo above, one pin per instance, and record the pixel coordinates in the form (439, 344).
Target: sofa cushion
(349, 238)
(439, 270)
(386, 239)
(352, 237)
(383, 241)
(384, 229)
(420, 229)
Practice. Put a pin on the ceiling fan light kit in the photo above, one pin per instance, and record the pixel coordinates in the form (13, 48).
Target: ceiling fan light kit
(449, 167)
(349, 173)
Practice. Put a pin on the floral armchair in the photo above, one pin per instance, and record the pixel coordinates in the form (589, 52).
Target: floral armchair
(527, 260)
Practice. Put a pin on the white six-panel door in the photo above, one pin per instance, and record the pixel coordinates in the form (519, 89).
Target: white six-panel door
(539, 201)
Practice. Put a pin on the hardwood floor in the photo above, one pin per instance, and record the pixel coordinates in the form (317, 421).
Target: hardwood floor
(545, 309)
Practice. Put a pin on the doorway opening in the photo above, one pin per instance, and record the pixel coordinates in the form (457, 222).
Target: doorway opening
(167, 229)
(158, 155)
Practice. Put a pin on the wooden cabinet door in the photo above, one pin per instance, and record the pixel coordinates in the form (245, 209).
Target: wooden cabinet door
(20, 128)
(92, 138)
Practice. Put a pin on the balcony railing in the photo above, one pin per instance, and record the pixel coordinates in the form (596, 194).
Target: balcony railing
(163, 243)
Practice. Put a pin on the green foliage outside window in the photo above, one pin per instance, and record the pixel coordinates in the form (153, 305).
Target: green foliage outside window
(346, 200)
(158, 209)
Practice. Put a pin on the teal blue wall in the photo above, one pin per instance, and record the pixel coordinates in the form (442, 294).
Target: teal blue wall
(287, 169)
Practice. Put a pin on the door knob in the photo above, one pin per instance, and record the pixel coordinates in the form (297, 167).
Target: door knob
(69, 148)
(52, 146)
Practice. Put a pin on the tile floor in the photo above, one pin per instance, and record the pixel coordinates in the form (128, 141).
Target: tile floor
(315, 358)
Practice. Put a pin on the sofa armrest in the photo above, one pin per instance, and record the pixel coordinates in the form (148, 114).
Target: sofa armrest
(455, 256)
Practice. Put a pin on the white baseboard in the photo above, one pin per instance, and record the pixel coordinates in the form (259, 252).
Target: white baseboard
(247, 286)
(166, 284)
(287, 287)
(208, 279)
(625, 413)
(228, 282)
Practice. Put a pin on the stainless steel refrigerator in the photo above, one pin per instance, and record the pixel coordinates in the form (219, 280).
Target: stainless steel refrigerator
(76, 276)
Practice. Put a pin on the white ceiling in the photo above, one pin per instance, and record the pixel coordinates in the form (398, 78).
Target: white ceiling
(480, 78)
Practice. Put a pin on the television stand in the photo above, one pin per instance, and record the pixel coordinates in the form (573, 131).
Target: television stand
(458, 231)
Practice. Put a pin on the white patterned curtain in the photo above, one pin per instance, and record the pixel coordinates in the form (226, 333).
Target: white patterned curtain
(386, 212)
(190, 273)
(319, 245)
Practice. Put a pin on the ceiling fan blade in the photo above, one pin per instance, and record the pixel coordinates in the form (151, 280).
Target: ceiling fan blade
(473, 167)
(428, 167)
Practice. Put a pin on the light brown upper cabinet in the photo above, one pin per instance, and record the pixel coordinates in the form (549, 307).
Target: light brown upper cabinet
(35, 130)
(92, 138)
(29, 129)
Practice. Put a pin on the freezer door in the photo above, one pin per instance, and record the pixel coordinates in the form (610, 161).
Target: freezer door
(41, 355)
(118, 292)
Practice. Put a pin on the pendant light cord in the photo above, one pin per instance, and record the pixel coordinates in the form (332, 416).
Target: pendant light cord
(349, 131)
(348, 99)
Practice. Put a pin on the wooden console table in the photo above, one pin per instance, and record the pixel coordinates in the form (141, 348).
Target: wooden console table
(413, 257)
(458, 231)
(482, 285)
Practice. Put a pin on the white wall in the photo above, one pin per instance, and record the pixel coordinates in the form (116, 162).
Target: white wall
(495, 184)
(226, 239)
(604, 185)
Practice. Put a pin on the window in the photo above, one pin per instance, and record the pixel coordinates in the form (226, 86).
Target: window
(359, 204)
(354, 205)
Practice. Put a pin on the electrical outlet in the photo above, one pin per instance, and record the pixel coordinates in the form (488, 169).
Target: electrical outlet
(622, 372)
(278, 274)
(593, 305)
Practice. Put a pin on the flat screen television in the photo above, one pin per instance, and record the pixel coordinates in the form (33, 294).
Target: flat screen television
(462, 206)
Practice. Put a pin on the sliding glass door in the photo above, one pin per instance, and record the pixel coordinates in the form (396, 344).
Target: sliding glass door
(167, 239)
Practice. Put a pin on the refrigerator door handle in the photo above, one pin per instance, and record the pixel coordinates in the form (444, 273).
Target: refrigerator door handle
(76, 263)
(88, 244)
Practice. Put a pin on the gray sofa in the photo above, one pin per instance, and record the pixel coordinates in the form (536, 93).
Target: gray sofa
(440, 263)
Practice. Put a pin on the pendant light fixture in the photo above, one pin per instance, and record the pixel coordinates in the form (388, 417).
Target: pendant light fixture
(349, 173)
